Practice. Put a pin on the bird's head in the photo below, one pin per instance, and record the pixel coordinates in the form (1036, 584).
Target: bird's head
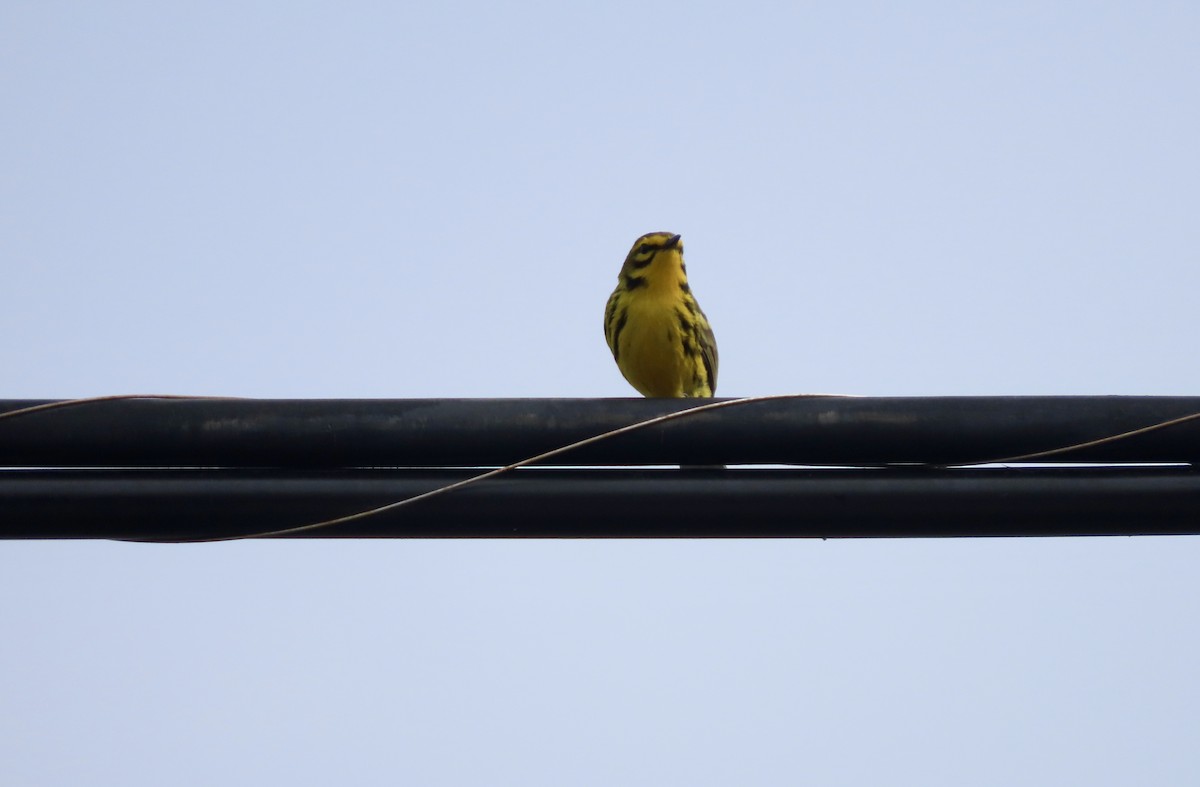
(654, 255)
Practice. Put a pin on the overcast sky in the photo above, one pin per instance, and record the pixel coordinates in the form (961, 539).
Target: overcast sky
(433, 200)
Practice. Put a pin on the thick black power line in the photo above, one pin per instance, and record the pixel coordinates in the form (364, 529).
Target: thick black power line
(558, 503)
(314, 433)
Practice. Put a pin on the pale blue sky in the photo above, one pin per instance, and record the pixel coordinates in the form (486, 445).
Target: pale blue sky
(384, 200)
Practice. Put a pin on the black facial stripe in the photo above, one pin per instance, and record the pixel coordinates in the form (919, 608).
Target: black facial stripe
(633, 282)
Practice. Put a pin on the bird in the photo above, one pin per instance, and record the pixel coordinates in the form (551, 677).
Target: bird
(659, 336)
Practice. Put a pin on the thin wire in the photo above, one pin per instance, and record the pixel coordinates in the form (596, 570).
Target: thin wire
(37, 408)
(441, 490)
(1076, 446)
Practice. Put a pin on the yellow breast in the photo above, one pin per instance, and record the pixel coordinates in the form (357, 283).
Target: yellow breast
(651, 353)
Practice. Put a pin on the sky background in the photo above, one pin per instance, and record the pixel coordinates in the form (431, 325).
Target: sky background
(433, 200)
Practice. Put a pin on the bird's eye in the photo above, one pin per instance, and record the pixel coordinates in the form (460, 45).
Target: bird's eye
(645, 248)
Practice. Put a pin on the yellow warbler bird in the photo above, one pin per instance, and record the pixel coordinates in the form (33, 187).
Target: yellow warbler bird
(658, 335)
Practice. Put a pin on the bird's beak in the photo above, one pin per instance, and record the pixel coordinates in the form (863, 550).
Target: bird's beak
(674, 241)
